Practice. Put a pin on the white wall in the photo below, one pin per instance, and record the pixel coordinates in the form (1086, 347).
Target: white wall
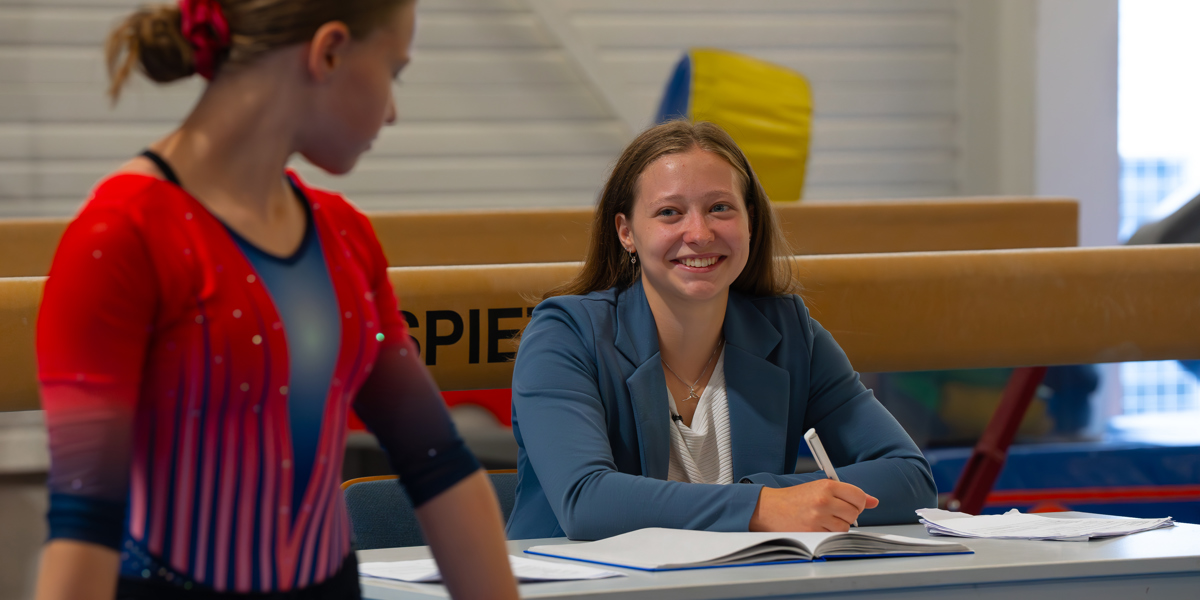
(913, 98)
(883, 76)
(1076, 144)
(997, 92)
(494, 112)
(1039, 104)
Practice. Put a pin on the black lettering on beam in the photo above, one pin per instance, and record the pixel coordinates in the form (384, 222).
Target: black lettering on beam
(411, 320)
(433, 340)
(495, 334)
(473, 336)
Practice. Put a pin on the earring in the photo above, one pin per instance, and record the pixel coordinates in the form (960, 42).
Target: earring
(632, 257)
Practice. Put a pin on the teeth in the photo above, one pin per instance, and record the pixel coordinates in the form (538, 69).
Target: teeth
(699, 262)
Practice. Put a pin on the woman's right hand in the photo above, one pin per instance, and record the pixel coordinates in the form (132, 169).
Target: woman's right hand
(822, 505)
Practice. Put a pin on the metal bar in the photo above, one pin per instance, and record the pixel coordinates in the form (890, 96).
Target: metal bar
(982, 469)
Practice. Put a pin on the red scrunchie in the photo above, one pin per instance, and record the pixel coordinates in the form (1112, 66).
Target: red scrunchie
(205, 28)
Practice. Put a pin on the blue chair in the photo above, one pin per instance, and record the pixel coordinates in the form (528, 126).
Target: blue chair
(381, 515)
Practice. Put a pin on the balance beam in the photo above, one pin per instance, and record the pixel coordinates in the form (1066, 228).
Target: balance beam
(19, 300)
(560, 235)
(890, 312)
(27, 246)
(812, 227)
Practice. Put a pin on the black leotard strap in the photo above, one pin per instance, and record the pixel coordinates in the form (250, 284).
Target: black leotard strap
(162, 165)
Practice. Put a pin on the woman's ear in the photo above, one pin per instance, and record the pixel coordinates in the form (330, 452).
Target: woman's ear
(327, 50)
(625, 233)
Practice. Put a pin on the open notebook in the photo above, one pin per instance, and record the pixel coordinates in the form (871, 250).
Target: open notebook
(658, 549)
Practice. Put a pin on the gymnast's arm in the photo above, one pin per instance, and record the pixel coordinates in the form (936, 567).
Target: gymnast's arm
(454, 500)
(92, 333)
(455, 503)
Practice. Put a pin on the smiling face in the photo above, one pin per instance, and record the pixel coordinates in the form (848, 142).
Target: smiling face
(355, 100)
(689, 226)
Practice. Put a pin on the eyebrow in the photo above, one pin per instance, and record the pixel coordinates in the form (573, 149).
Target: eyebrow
(713, 195)
(720, 194)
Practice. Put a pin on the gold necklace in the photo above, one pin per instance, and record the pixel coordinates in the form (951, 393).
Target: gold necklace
(692, 388)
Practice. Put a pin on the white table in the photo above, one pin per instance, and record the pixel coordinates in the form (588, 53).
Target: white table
(1154, 564)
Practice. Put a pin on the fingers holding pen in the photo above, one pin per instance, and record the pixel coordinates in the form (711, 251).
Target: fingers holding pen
(823, 505)
(845, 502)
(853, 495)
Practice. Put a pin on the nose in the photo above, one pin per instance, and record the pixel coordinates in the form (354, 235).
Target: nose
(696, 229)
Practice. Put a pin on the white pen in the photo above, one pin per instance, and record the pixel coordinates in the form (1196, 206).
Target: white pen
(818, 452)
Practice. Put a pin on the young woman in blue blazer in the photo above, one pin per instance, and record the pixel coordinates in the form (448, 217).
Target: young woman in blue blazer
(670, 384)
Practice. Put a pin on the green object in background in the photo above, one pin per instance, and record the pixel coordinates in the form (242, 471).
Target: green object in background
(925, 387)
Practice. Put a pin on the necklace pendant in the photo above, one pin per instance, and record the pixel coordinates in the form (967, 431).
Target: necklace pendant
(692, 395)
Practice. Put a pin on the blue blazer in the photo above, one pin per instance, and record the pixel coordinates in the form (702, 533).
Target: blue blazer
(591, 419)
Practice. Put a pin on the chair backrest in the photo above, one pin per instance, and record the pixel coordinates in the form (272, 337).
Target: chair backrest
(381, 515)
(505, 483)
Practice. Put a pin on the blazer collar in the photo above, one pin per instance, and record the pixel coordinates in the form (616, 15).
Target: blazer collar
(635, 323)
(758, 390)
(745, 326)
(637, 340)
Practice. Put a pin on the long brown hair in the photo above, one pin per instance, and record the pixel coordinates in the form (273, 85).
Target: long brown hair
(150, 38)
(768, 270)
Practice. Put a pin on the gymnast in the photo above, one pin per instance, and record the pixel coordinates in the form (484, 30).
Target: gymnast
(210, 320)
(670, 383)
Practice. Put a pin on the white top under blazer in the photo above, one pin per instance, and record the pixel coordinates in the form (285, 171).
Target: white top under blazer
(702, 453)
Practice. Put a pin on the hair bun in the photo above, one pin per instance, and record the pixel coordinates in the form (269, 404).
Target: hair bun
(151, 40)
(154, 41)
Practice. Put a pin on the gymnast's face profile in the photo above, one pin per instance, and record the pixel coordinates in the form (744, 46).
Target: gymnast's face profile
(353, 80)
(689, 226)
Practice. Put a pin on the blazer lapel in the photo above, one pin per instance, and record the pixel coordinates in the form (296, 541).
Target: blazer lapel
(758, 392)
(648, 392)
(637, 340)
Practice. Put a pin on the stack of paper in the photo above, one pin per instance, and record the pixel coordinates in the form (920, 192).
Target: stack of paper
(1013, 525)
(524, 569)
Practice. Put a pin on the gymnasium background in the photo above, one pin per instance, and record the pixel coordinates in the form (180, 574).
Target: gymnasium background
(525, 103)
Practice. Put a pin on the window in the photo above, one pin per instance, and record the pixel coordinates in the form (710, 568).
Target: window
(1159, 127)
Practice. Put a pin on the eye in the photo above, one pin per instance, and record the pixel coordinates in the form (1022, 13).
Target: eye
(398, 67)
(722, 207)
(667, 212)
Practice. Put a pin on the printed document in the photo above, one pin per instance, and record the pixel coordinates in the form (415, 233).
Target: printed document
(1014, 525)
